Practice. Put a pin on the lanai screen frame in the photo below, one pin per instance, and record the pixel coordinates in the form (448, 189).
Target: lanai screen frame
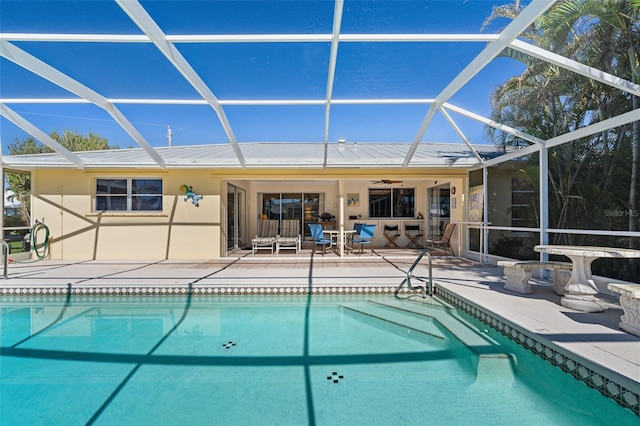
(166, 44)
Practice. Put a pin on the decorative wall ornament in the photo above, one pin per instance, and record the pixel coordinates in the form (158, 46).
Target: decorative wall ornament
(189, 194)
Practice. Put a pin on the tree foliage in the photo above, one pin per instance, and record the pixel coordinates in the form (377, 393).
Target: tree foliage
(596, 175)
(72, 140)
(20, 183)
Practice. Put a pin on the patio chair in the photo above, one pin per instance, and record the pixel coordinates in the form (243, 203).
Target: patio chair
(318, 237)
(356, 227)
(266, 239)
(365, 237)
(414, 233)
(391, 233)
(289, 238)
(443, 242)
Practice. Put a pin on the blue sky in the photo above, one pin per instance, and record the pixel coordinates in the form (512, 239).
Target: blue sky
(256, 71)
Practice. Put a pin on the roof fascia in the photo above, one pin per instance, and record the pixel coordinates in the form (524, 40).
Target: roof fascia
(44, 70)
(577, 67)
(145, 22)
(493, 49)
(28, 127)
(333, 58)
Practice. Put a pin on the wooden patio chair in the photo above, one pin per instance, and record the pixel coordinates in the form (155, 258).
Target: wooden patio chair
(414, 233)
(391, 233)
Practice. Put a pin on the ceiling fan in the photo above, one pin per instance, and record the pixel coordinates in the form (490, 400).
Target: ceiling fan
(386, 181)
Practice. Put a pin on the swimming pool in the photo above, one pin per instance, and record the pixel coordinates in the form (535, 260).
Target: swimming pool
(275, 360)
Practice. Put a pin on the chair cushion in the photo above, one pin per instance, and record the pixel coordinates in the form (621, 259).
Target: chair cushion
(263, 240)
(288, 240)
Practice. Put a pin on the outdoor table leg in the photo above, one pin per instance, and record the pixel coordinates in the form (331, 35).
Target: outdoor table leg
(581, 290)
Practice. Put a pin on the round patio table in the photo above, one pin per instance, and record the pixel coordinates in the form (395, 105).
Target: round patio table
(581, 289)
(340, 243)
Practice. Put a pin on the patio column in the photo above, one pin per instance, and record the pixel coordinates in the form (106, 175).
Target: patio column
(341, 217)
(3, 197)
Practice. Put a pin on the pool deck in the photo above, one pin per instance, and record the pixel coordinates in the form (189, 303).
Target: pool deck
(594, 338)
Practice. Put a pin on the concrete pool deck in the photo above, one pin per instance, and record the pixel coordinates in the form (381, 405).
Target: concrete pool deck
(589, 346)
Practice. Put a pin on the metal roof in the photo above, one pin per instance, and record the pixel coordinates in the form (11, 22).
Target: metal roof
(268, 155)
(249, 69)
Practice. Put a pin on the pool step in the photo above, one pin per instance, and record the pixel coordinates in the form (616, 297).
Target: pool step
(492, 360)
(426, 327)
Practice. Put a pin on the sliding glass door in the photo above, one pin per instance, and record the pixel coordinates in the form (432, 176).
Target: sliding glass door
(236, 217)
(304, 207)
(439, 199)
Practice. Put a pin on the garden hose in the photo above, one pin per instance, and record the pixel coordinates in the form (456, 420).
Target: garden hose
(41, 249)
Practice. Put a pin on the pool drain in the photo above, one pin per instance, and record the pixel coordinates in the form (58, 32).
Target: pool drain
(335, 377)
(228, 345)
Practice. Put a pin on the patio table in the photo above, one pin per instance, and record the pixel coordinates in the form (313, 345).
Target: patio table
(340, 243)
(581, 289)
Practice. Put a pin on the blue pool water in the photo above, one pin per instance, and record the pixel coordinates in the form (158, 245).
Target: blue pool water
(275, 361)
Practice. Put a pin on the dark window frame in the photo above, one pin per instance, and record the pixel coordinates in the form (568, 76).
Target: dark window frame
(394, 203)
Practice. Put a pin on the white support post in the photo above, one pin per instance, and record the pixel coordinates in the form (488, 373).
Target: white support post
(484, 234)
(544, 198)
(3, 195)
(341, 217)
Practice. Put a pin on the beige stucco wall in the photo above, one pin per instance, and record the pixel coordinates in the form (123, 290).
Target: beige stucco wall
(63, 200)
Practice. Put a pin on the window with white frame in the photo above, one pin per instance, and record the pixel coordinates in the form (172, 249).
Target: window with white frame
(128, 194)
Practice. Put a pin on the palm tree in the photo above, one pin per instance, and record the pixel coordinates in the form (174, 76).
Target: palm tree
(612, 24)
(547, 101)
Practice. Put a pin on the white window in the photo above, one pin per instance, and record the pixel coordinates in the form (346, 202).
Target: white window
(128, 194)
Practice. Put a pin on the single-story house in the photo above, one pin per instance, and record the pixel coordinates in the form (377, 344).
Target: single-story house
(122, 204)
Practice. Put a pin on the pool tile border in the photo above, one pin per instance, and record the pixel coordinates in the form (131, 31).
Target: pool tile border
(197, 290)
(566, 361)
